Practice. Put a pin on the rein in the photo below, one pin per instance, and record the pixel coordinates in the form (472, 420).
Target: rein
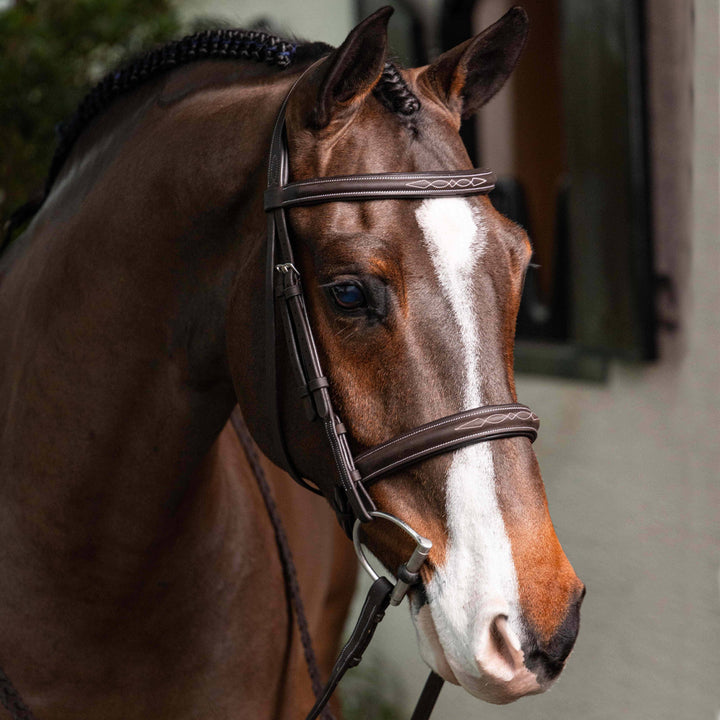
(12, 701)
(381, 594)
(284, 551)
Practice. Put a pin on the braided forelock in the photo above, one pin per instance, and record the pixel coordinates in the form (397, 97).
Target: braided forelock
(393, 92)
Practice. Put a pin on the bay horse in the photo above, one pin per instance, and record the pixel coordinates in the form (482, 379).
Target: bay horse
(139, 575)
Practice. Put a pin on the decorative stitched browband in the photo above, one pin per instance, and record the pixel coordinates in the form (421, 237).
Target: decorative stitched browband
(380, 186)
(349, 495)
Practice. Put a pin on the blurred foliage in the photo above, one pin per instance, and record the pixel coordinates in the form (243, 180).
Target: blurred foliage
(53, 51)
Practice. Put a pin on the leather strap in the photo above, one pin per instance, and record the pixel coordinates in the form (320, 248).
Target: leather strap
(489, 422)
(277, 175)
(373, 611)
(284, 292)
(287, 562)
(428, 698)
(380, 186)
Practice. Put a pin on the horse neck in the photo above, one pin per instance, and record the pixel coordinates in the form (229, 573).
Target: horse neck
(113, 315)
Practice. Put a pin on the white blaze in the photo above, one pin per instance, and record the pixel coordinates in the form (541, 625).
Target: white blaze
(478, 581)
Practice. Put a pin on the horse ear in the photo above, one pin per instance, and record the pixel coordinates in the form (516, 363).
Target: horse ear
(467, 76)
(354, 68)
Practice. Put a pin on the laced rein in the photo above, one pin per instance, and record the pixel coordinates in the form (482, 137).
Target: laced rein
(284, 552)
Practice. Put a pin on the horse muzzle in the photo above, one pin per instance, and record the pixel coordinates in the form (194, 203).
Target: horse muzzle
(493, 663)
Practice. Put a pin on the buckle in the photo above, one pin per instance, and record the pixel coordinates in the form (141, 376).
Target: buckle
(285, 268)
(407, 573)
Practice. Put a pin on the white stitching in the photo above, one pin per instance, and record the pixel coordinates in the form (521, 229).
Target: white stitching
(471, 414)
(496, 419)
(453, 182)
(451, 175)
(399, 192)
(457, 441)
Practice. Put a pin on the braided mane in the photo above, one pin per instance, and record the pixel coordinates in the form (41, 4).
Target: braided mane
(206, 45)
(392, 91)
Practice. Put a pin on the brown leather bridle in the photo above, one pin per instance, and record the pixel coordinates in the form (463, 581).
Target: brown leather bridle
(348, 493)
(284, 296)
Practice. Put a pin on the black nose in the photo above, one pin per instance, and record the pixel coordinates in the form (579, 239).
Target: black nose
(547, 659)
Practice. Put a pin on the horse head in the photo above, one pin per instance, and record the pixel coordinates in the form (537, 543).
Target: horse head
(413, 306)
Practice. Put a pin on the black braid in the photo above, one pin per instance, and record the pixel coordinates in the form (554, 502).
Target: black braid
(206, 45)
(393, 92)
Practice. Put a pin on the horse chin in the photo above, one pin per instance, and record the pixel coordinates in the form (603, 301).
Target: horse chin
(430, 649)
(497, 686)
(499, 692)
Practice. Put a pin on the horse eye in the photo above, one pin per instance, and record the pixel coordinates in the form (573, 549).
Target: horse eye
(348, 296)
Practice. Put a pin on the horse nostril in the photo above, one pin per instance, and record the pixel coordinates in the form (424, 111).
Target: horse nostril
(501, 658)
(506, 641)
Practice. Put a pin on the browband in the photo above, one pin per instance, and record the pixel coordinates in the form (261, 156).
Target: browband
(380, 186)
